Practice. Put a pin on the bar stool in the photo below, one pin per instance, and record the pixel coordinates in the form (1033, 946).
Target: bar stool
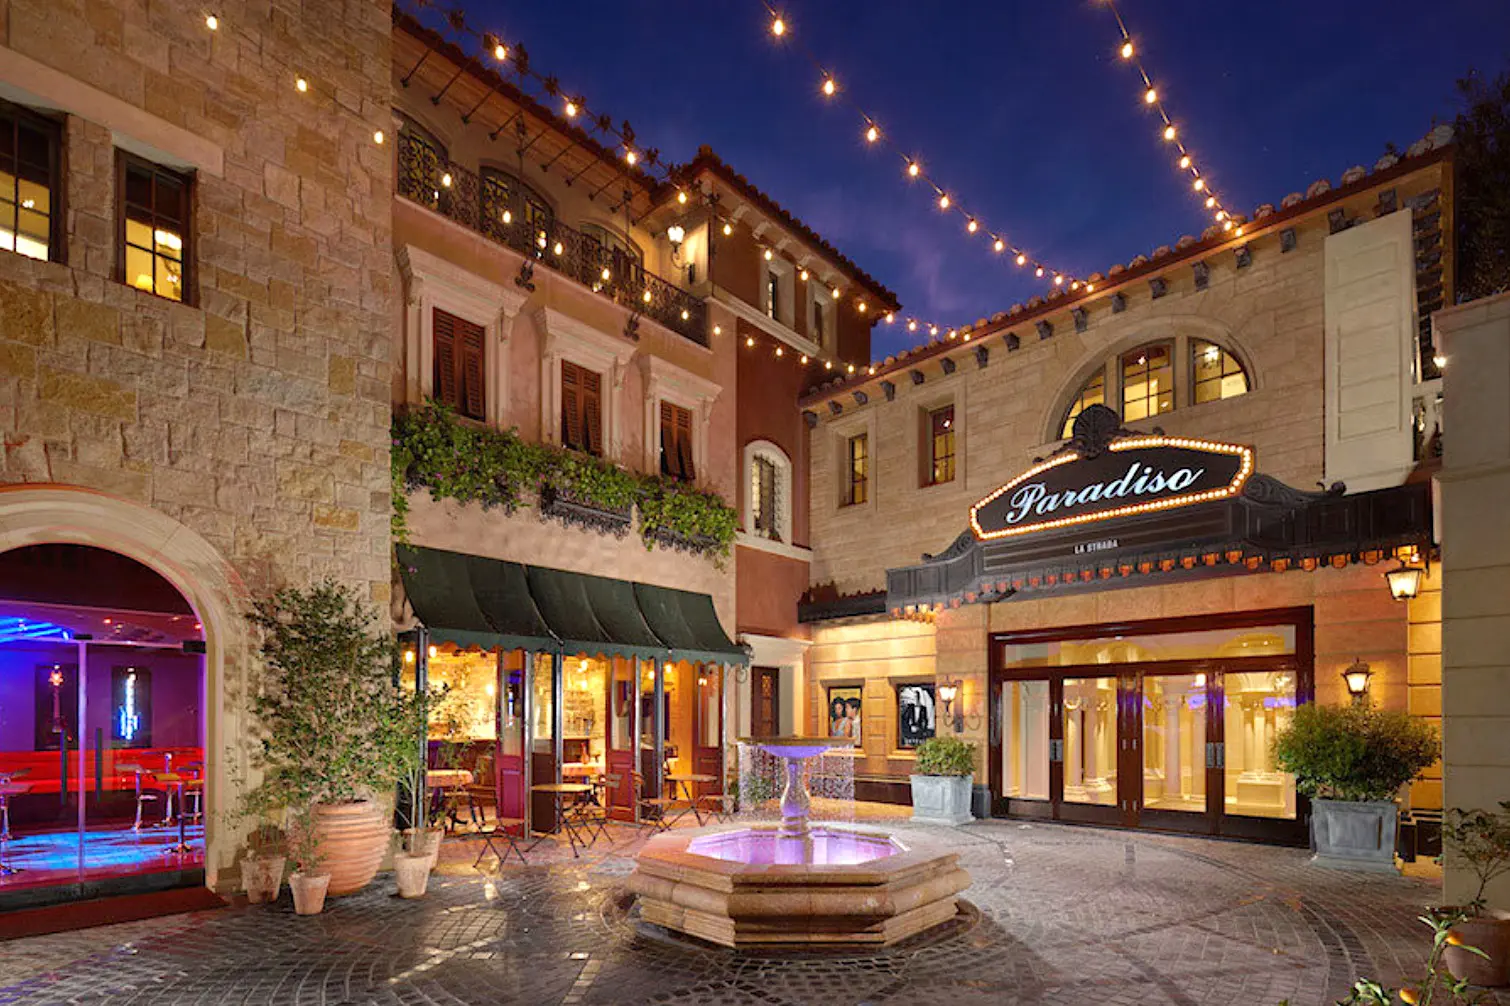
(194, 790)
(8, 789)
(142, 795)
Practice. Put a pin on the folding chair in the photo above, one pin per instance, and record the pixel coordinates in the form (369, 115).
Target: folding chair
(656, 811)
(716, 807)
(500, 830)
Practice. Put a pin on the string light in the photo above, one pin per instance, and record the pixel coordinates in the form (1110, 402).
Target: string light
(872, 134)
(212, 22)
(944, 201)
(828, 86)
(1127, 49)
(681, 197)
(998, 245)
(631, 157)
(1022, 259)
(1169, 132)
(377, 137)
(1150, 96)
(728, 229)
(778, 27)
(769, 255)
(972, 226)
(914, 169)
(500, 51)
(301, 85)
(779, 351)
(571, 109)
(803, 275)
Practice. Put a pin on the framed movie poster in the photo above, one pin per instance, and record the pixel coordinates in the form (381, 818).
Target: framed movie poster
(844, 707)
(915, 714)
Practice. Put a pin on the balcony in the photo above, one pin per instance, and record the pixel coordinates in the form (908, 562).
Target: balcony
(507, 215)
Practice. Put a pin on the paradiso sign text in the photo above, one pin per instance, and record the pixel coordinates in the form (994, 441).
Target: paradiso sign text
(1131, 476)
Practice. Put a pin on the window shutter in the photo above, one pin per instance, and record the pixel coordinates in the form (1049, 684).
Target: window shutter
(668, 439)
(592, 412)
(472, 396)
(684, 442)
(444, 384)
(768, 499)
(571, 405)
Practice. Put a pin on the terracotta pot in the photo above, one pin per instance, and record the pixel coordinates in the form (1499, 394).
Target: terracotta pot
(309, 892)
(1491, 934)
(262, 878)
(353, 837)
(412, 874)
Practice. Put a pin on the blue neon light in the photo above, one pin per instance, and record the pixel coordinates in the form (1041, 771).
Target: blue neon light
(14, 630)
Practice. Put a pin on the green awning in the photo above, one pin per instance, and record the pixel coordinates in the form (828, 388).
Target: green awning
(688, 625)
(593, 614)
(503, 593)
(439, 588)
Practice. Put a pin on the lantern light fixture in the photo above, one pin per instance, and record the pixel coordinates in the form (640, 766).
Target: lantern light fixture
(1405, 582)
(1356, 677)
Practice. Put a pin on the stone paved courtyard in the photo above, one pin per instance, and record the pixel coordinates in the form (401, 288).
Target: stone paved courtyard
(1055, 915)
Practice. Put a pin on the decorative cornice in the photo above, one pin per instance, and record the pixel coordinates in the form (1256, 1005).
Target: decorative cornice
(769, 326)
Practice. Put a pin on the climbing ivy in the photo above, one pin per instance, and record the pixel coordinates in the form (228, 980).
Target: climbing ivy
(453, 459)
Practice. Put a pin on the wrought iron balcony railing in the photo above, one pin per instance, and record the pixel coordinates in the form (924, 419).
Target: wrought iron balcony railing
(510, 217)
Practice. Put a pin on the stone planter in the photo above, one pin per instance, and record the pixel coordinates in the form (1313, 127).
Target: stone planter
(942, 799)
(309, 892)
(353, 837)
(553, 503)
(1491, 934)
(262, 878)
(701, 544)
(426, 843)
(1354, 834)
(412, 874)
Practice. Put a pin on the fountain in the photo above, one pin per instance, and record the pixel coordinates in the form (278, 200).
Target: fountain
(751, 885)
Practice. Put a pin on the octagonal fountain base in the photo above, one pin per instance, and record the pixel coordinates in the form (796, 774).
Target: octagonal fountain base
(751, 886)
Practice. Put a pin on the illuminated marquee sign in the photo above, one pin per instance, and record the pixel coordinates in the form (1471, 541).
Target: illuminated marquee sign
(1138, 474)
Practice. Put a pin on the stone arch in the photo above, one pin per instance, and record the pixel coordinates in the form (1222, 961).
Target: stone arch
(58, 514)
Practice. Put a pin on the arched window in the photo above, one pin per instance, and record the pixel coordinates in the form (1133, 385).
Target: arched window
(1215, 373)
(422, 163)
(1148, 381)
(1092, 393)
(768, 492)
(514, 213)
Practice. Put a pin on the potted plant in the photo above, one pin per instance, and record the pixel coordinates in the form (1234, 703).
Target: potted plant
(262, 868)
(1480, 841)
(332, 721)
(942, 782)
(1434, 987)
(309, 883)
(419, 841)
(1351, 762)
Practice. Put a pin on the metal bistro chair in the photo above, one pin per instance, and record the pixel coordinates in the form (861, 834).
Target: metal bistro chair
(716, 807)
(500, 831)
(655, 812)
(194, 791)
(143, 796)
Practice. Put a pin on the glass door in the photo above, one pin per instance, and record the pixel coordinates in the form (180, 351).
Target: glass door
(708, 742)
(512, 785)
(1089, 744)
(1020, 770)
(623, 705)
(1258, 800)
(652, 720)
(543, 738)
(1177, 779)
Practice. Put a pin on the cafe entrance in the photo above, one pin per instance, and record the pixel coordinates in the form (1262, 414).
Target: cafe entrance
(1164, 724)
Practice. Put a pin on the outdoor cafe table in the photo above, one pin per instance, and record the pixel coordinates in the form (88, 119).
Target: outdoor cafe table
(559, 792)
(683, 781)
(442, 780)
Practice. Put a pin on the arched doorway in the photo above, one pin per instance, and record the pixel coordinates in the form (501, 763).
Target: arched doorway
(176, 595)
(102, 722)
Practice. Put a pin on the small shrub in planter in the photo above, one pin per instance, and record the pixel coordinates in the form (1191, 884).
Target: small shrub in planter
(1479, 948)
(941, 783)
(1352, 761)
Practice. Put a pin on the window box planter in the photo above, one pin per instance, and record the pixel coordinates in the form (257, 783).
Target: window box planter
(588, 516)
(942, 799)
(698, 544)
(1354, 834)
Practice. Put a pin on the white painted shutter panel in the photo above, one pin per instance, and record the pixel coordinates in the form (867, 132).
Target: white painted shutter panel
(1370, 321)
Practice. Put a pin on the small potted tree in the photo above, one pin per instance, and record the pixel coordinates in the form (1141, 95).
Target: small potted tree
(332, 723)
(1352, 762)
(1480, 841)
(942, 781)
(309, 882)
(262, 868)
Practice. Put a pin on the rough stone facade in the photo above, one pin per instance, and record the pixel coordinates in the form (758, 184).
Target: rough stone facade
(256, 413)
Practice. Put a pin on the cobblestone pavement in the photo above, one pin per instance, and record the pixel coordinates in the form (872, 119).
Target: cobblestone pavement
(1055, 915)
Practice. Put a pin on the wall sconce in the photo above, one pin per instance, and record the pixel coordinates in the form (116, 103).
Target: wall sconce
(1356, 677)
(676, 234)
(1405, 582)
(948, 692)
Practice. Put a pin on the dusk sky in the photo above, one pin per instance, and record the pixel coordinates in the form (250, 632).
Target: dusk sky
(1023, 110)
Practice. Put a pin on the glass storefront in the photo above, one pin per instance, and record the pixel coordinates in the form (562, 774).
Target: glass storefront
(1165, 724)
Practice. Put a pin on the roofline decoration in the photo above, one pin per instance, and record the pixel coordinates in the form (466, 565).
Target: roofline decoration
(1434, 148)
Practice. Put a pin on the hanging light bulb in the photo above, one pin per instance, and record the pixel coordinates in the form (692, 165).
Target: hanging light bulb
(1227, 226)
(972, 226)
(1198, 184)
(835, 292)
(778, 27)
(606, 274)
(769, 255)
(1184, 162)
(749, 341)
(212, 22)
(445, 180)
(779, 351)
(631, 157)
(1220, 214)
(804, 359)
(1022, 259)
(827, 365)
(301, 84)
(912, 325)
(914, 169)
(944, 201)
(1150, 96)
(1038, 272)
(378, 137)
(681, 197)
(999, 246)
(829, 87)
(728, 229)
(1210, 201)
(1058, 280)
(1169, 132)
(860, 307)
(851, 368)
(872, 134)
(803, 275)
(571, 109)
(1127, 49)
(500, 51)
(933, 330)
(718, 330)
(889, 318)
(871, 370)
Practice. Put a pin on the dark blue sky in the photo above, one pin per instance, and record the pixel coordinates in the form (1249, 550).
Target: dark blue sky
(1021, 108)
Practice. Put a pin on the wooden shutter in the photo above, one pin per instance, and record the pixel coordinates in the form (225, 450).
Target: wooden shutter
(592, 411)
(668, 439)
(472, 396)
(571, 405)
(684, 442)
(443, 387)
(767, 522)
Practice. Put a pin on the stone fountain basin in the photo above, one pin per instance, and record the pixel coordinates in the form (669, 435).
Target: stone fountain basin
(895, 892)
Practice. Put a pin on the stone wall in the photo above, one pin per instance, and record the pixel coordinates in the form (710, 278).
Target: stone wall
(257, 413)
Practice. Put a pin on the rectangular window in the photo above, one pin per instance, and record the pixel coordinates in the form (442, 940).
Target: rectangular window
(155, 237)
(581, 409)
(1147, 382)
(857, 488)
(763, 499)
(458, 378)
(30, 183)
(916, 718)
(939, 431)
(676, 442)
(818, 322)
(772, 292)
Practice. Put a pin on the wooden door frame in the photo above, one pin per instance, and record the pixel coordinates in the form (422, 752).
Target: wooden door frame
(757, 674)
